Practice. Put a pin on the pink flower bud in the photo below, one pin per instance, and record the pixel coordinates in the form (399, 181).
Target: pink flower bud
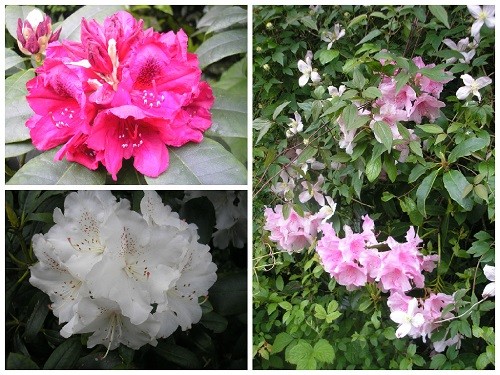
(35, 33)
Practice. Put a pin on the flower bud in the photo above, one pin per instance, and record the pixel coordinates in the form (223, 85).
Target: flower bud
(266, 67)
(35, 33)
(269, 26)
(258, 49)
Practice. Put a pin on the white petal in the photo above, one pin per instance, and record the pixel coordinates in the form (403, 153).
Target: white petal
(468, 80)
(403, 330)
(463, 92)
(475, 10)
(304, 196)
(303, 80)
(476, 27)
(315, 77)
(483, 82)
(418, 320)
(303, 67)
(490, 22)
(451, 44)
(489, 272)
(489, 290)
(489, 10)
(398, 316)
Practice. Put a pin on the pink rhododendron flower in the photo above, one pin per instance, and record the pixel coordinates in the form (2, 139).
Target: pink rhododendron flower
(35, 33)
(120, 92)
(426, 106)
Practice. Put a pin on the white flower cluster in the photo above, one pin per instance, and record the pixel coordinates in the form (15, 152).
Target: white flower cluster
(127, 278)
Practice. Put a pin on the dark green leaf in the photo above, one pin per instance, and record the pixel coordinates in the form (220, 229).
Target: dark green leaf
(325, 56)
(278, 109)
(437, 361)
(373, 168)
(222, 45)
(178, 355)
(37, 317)
(306, 154)
(18, 148)
(439, 12)
(229, 294)
(229, 115)
(205, 163)
(65, 355)
(214, 322)
(383, 133)
(424, 190)
(43, 170)
(16, 361)
(455, 183)
(467, 147)
(372, 34)
(228, 17)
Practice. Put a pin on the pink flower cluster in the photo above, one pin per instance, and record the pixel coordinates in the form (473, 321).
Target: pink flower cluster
(354, 260)
(294, 233)
(431, 312)
(119, 92)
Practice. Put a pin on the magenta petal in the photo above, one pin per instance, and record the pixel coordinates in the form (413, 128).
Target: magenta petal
(151, 159)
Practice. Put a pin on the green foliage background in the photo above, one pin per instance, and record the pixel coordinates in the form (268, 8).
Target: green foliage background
(218, 341)
(445, 188)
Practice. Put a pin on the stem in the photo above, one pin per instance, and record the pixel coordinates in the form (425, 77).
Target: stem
(463, 314)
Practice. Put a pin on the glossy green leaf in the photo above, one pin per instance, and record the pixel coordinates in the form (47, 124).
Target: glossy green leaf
(206, 163)
(424, 190)
(71, 25)
(373, 168)
(18, 109)
(440, 13)
(431, 128)
(279, 108)
(43, 170)
(371, 35)
(65, 355)
(16, 361)
(455, 183)
(222, 45)
(18, 148)
(214, 322)
(228, 17)
(262, 125)
(229, 294)
(12, 59)
(325, 56)
(467, 147)
(178, 355)
(352, 119)
(383, 134)
(229, 115)
(37, 317)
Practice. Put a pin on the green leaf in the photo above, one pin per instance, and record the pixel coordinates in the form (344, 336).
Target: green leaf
(16, 361)
(71, 25)
(279, 57)
(285, 305)
(309, 22)
(12, 59)
(383, 133)
(455, 183)
(325, 56)
(214, 322)
(431, 128)
(234, 79)
(467, 147)
(37, 317)
(228, 17)
(262, 125)
(352, 119)
(229, 115)
(417, 171)
(12, 14)
(306, 154)
(178, 355)
(437, 361)
(302, 356)
(424, 190)
(65, 355)
(222, 45)
(372, 93)
(437, 73)
(323, 351)
(357, 20)
(373, 168)
(18, 109)
(278, 109)
(18, 148)
(205, 163)
(372, 34)
(482, 361)
(43, 170)
(281, 341)
(481, 191)
(229, 294)
(439, 12)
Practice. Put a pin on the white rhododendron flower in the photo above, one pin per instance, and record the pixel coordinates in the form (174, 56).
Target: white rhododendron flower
(472, 86)
(305, 67)
(489, 290)
(105, 267)
(483, 15)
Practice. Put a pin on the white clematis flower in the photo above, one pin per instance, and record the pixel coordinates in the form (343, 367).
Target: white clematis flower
(489, 290)
(334, 92)
(333, 35)
(461, 46)
(296, 125)
(305, 67)
(408, 320)
(483, 15)
(472, 86)
(327, 210)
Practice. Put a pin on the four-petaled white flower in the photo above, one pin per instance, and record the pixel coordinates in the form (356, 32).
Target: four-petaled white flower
(483, 15)
(472, 86)
(333, 35)
(305, 67)
(296, 125)
(461, 46)
(408, 320)
(327, 210)
(105, 266)
(489, 290)
(333, 91)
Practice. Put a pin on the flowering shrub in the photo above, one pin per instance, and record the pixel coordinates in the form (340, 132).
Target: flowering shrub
(107, 286)
(115, 91)
(373, 187)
